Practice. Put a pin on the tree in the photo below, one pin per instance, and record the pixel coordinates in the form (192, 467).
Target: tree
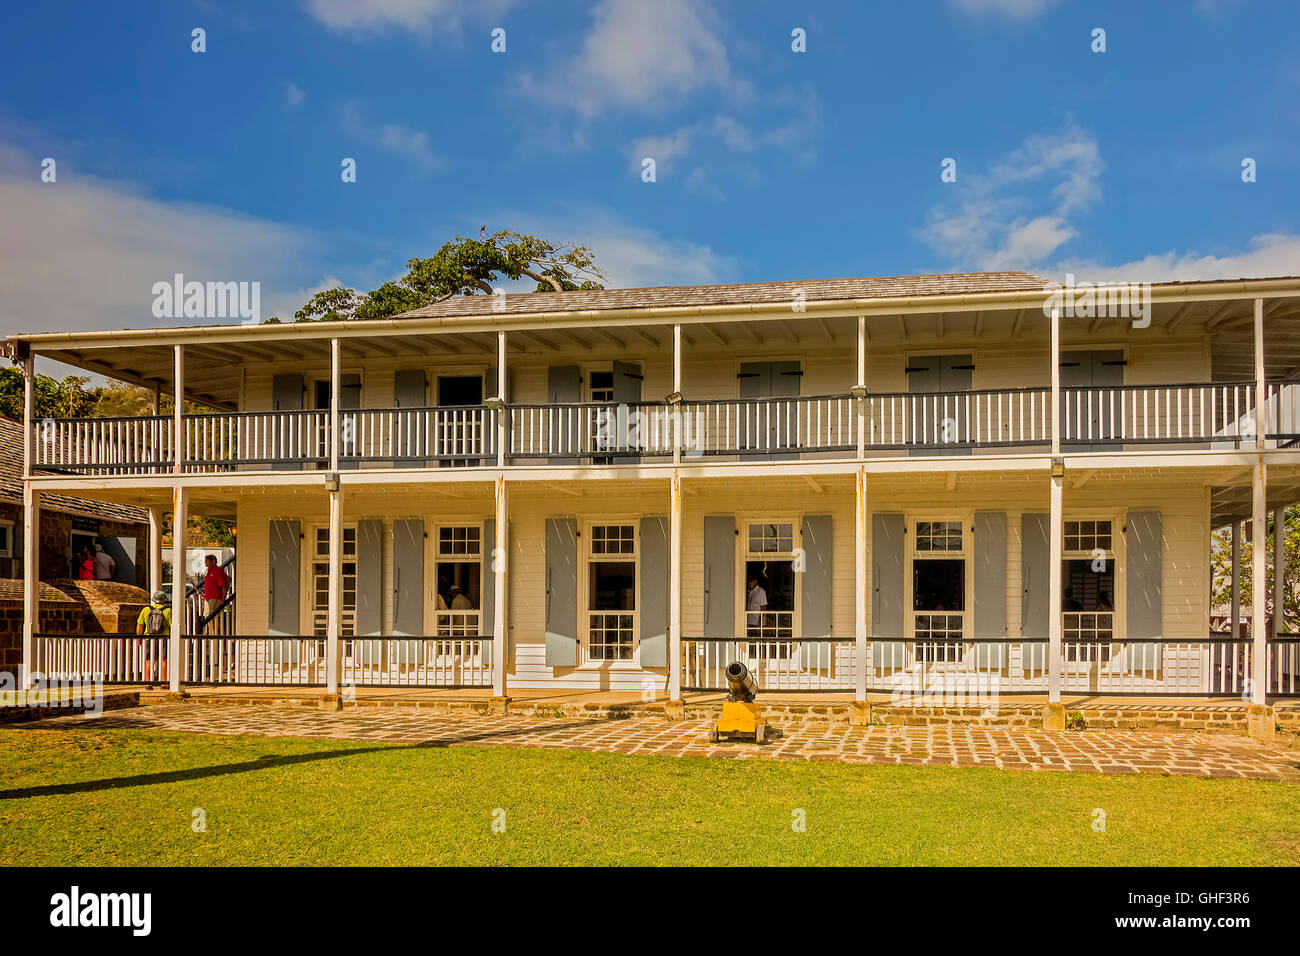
(51, 398)
(462, 267)
(1221, 566)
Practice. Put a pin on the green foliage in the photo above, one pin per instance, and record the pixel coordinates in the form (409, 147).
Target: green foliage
(1076, 721)
(52, 398)
(1221, 564)
(462, 267)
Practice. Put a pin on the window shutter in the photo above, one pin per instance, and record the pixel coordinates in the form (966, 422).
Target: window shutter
(370, 595)
(487, 589)
(408, 589)
(719, 576)
(286, 396)
(411, 437)
(1143, 602)
(653, 609)
(990, 574)
(817, 608)
(562, 592)
(887, 590)
(284, 567)
(1035, 579)
(563, 387)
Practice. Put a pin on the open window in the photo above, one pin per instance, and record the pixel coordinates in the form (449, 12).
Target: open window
(320, 591)
(458, 568)
(611, 592)
(768, 589)
(938, 590)
(1088, 590)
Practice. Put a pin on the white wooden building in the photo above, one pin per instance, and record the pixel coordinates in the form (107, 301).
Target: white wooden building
(930, 479)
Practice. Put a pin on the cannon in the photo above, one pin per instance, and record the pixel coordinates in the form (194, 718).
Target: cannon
(740, 715)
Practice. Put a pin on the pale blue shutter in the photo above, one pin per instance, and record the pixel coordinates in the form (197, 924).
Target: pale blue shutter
(719, 576)
(487, 587)
(1143, 585)
(283, 571)
(1035, 578)
(564, 389)
(370, 595)
(349, 425)
(408, 589)
(653, 611)
(410, 441)
(990, 581)
(290, 433)
(561, 592)
(887, 591)
(816, 591)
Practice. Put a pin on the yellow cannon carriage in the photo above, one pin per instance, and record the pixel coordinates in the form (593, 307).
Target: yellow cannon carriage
(741, 717)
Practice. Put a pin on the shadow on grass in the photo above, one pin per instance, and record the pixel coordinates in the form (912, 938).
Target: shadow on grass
(261, 763)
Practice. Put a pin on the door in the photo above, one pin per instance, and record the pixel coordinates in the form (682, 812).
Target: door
(767, 425)
(349, 431)
(937, 412)
(459, 437)
(410, 438)
(1091, 415)
(563, 392)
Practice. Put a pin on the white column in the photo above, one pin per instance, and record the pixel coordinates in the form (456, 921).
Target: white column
(178, 413)
(1056, 388)
(1279, 571)
(29, 414)
(335, 380)
(860, 579)
(501, 569)
(1055, 547)
(862, 386)
(180, 519)
(675, 588)
(155, 549)
(501, 394)
(31, 579)
(1260, 388)
(1235, 629)
(677, 390)
(1258, 551)
(335, 588)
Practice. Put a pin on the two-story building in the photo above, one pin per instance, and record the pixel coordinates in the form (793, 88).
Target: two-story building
(854, 485)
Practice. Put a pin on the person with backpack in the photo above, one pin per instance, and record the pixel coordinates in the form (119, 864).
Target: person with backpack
(155, 625)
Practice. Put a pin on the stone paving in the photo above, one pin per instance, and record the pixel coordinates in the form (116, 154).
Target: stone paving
(1106, 752)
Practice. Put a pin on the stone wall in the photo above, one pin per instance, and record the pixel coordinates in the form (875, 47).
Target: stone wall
(55, 527)
(58, 613)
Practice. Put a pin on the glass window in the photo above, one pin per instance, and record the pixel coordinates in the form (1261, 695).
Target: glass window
(1087, 536)
(459, 542)
(771, 538)
(613, 539)
(938, 536)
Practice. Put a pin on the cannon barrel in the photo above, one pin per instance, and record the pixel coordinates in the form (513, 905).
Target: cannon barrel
(741, 685)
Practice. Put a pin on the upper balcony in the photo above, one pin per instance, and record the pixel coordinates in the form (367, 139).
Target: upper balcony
(1003, 421)
(932, 375)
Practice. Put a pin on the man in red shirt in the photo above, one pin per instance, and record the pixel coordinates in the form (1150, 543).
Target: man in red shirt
(214, 585)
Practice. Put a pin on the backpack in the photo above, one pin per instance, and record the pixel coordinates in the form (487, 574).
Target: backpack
(156, 622)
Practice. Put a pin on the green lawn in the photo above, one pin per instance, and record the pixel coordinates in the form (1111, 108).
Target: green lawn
(128, 797)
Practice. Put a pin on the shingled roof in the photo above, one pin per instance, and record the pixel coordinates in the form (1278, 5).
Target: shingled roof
(750, 293)
(11, 484)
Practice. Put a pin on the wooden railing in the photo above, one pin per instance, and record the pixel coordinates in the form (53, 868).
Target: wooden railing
(1212, 416)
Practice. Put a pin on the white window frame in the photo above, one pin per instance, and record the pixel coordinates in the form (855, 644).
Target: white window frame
(1115, 556)
(432, 613)
(7, 551)
(744, 555)
(966, 521)
(586, 557)
(309, 575)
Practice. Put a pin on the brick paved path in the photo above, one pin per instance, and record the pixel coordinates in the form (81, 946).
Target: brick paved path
(1110, 752)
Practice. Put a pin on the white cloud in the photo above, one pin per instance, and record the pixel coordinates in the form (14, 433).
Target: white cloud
(639, 55)
(992, 223)
(293, 95)
(396, 138)
(1016, 9)
(1268, 255)
(420, 17)
(84, 253)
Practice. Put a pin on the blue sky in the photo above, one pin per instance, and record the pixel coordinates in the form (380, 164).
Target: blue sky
(770, 164)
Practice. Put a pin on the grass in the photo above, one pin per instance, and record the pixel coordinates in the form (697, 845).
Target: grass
(126, 797)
